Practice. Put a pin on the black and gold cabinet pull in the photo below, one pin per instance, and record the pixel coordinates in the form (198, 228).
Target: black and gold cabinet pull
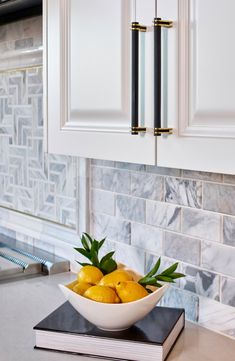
(136, 28)
(158, 23)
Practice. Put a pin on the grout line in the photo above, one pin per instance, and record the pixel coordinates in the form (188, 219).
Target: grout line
(202, 205)
(180, 176)
(220, 288)
(168, 203)
(180, 233)
(200, 258)
(222, 230)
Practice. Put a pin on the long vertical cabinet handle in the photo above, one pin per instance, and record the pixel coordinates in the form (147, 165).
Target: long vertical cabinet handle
(158, 23)
(135, 29)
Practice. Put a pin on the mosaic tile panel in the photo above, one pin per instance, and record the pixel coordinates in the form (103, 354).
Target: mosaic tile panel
(31, 181)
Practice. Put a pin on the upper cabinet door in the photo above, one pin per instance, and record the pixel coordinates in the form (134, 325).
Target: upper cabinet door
(88, 80)
(200, 102)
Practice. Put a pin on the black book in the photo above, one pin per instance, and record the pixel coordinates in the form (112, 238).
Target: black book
(149, 339)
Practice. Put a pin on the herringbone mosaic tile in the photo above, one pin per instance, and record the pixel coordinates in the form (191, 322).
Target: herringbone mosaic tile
(31, 181)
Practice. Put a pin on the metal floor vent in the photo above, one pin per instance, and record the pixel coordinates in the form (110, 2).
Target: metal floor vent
(19, 259)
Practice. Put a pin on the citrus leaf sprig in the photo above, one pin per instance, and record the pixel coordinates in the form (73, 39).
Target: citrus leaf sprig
(90, 250)
(168, 275)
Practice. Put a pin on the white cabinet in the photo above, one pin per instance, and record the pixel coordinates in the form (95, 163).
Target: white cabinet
(88, 82)
(88, 77)
(200, 103)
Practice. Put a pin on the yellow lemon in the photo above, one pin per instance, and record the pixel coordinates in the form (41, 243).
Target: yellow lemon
(81, 287)
(89, 274)
(129, 291)
(102, 294)
(72, 284)
(113, 278)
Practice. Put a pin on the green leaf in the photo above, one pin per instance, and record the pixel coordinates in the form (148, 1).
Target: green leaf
(95, 260)
(177, 275)
(84, 243)
(109, 266)
(89, 237)
(164, 278)
(101, 242)
(155, 268)
(147, 281)
(83, 264)
(170, 270)
(95, 247)
(107, 256)
(83, 252)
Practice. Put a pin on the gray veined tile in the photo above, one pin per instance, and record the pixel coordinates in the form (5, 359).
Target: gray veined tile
(116, 180)
(202, 224)
(165, 215)
(163, 171)
(103, 163)
(108, 246)
(26, 176)
(178, 298)
(96, 177)
(218, 258)
(228, 291)
(201, 282)
(131, 256)
(183, 192)
(146, 237)
(130, 208)
(219, 198)
(182, 248)
(229, 231)
(216, 316)
(111, 179)
(66, 211)
(111, 227)
(130, 166)
(103, 201)
(206, 176)
(229, 178)
(147, 186)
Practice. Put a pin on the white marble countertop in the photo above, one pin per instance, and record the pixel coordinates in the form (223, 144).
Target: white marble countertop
(23, 303)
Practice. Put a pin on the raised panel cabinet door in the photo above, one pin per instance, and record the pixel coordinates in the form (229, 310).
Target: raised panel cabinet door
(88, 77)
(200, 86)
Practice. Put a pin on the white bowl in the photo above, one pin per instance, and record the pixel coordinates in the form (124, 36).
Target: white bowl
(110, 316)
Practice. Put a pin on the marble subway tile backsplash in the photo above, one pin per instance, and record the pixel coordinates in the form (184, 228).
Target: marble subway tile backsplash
(219, 198)
(183, 216)
(149, 186)
(218, 258)
(147, 237)
(187, 300)
(198, 223)
(163, 215)
(181, 247)
(183, 191)
(131, 208)
(201, 282)
(227, 291)
(229, 231)
(113, 228)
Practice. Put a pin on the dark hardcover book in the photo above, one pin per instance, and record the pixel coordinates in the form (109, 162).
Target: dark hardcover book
(149, 339)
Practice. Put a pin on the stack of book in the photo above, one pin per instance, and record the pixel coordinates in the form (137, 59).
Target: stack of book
(150, 339)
